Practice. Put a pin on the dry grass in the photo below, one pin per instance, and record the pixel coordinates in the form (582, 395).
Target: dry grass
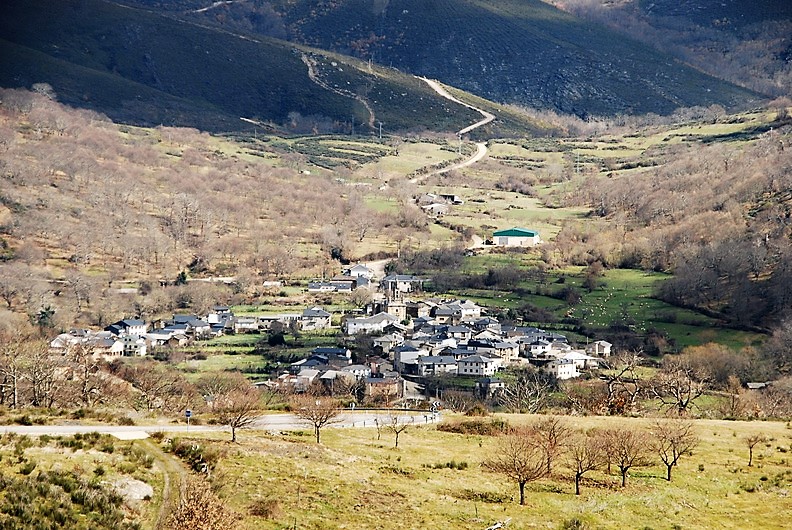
(355, 480)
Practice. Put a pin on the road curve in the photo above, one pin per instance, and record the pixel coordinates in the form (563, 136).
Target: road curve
(481, 147)
(267, 422)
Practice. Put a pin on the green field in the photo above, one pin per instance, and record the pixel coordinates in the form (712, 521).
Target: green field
(356, 480)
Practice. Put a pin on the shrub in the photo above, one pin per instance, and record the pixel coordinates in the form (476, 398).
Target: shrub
(157, 436)
(28, 468)
(482, 496)
(267, 508)
(477, 410)
(492, 427)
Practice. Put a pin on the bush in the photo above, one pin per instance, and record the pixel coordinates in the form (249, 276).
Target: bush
(157, 436)
(453, 464)
(477, 410)
(267, 508)
(28, 468)
(492, 427)
(482, 496)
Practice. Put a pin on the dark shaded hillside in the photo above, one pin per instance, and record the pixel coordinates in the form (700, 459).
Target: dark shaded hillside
(746, 43)
(523, 52)
(140, 67)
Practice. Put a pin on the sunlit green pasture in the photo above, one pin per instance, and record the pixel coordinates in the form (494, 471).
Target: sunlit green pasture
(355, 480)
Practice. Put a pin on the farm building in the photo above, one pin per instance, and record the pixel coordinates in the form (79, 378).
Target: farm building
(516, 237)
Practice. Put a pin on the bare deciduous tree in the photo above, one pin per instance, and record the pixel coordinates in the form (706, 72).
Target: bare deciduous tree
(672, 439)
(627, 448)
(585, 453)
(519, 458)
(528, 392)
(752, 441)
(678, 384)
(397, 427)
(622, 383)
(318, 411)
(551, 433)
(238, 407)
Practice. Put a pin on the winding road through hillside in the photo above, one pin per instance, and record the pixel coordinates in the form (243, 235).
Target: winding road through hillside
(481, 147)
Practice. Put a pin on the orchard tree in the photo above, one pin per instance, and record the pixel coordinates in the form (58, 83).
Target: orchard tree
(585, 452)
(672, 439)
(627, 448)
(397, 427)
(520, 458)
(551, 434)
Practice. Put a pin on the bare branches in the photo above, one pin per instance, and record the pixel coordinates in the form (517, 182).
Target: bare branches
(586, 452)
(551, 434)
(520, 459)
(678, 384)
(529, 392)
(672, 439)
(626, 448)
(397, 427)
(752, 441)
(238, 408)
(319, 412)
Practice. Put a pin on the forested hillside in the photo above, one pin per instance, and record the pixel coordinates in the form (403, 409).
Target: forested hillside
(717, 213)
(746, 43)
(86, 204)
(143, 68)
(524, 52)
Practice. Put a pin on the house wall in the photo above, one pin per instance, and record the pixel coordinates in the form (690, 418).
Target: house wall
(511, 241)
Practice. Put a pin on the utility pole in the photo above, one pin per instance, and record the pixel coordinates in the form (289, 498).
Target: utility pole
(380, 130)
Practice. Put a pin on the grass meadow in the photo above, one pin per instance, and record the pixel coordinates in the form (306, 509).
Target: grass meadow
(434, 479)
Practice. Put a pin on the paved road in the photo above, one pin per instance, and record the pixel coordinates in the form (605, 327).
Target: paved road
(269, 422)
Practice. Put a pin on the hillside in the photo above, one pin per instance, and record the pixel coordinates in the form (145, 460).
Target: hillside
(522, 52)
(746, 43)
(141, 68)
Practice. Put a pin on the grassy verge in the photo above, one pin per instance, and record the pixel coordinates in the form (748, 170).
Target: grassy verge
(354, 476)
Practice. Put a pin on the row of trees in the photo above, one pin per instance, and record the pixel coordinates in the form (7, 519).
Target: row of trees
(529, 453)
(623, 387)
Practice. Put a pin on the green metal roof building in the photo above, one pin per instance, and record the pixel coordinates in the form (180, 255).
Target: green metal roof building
(516, 237)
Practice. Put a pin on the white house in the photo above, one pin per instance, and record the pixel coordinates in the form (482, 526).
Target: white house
(360, 371)
(134, 345)
(371, 324)
(246, 324)
(600, 348)
(477, 365)
(516, 237)
(359, 270)
(562, 368)
(581, 360)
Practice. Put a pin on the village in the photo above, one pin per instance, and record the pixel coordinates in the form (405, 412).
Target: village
(413, 337)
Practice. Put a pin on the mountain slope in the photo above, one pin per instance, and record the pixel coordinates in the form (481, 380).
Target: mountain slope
(746, 43)
(140, 67)
(515, 51)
